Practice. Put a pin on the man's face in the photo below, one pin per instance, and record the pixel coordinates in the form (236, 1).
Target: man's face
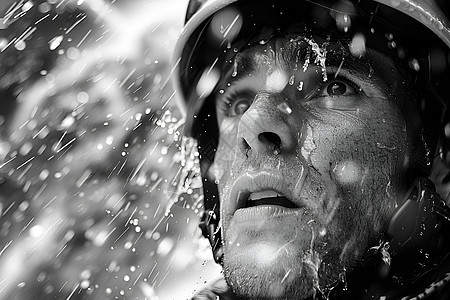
(309, 163)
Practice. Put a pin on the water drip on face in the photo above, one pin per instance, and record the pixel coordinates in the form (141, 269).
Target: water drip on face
(308, 145)
(300, 182)
(235, 68)
(284, 107)
(306, 63)
(292, 80)
(314, 51)
(321, 56)
(297, 59)
(312, 258)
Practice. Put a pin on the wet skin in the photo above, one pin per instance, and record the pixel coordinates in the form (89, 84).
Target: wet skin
(332, 141)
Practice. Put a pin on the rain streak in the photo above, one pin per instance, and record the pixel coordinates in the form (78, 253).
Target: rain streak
(99, 190)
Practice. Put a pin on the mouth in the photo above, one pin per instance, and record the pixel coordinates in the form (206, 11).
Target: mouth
(261, 195)
(269, 197)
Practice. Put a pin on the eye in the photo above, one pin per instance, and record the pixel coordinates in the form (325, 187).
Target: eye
(338, 87)
(234, 104)
(239, 106)
(339, 94)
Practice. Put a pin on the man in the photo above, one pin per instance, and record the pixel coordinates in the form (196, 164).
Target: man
(317, 122)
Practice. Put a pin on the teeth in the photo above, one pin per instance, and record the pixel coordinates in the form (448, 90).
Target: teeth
(263, 194)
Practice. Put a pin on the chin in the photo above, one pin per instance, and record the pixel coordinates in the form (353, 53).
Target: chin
(282, 277)
(281, 258)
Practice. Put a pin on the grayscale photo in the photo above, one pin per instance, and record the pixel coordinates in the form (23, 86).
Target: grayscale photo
(225, 149)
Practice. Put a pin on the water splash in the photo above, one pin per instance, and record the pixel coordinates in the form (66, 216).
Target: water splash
(316, 52)
(321, 56)
(188, 176)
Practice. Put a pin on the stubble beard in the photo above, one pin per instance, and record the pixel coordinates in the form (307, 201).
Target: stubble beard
(336, 253)
(269, 285)
(346, 245)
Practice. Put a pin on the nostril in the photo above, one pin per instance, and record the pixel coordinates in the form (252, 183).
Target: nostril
(244, 146)
(269, 138)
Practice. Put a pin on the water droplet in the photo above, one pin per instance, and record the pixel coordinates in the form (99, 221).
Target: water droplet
(55, 42)
(109, 139)
(84, 284)
(235, 68)
(392, 44)
(358, 45)
(292, 80)
(20, 45)
(284, 107)
(85, 274)
(323, 232)
(128, 245)
(36, 231)
(414, 64)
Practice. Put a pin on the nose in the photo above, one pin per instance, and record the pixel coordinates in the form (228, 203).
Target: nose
(266, 129)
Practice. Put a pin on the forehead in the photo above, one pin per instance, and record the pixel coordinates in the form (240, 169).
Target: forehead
(299, 52)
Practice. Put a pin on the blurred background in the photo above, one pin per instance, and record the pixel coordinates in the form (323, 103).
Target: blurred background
(99, 190)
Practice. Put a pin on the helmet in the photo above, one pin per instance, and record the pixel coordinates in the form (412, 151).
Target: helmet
(414, 32)
(433, 14)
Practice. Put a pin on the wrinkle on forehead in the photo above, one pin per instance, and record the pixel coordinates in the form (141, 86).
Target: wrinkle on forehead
(291, 52)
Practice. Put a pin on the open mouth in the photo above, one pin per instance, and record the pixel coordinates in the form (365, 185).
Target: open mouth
(268, 197)
(261, 195)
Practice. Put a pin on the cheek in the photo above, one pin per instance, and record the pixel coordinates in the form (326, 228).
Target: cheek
(356, 150)
(364, 163)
